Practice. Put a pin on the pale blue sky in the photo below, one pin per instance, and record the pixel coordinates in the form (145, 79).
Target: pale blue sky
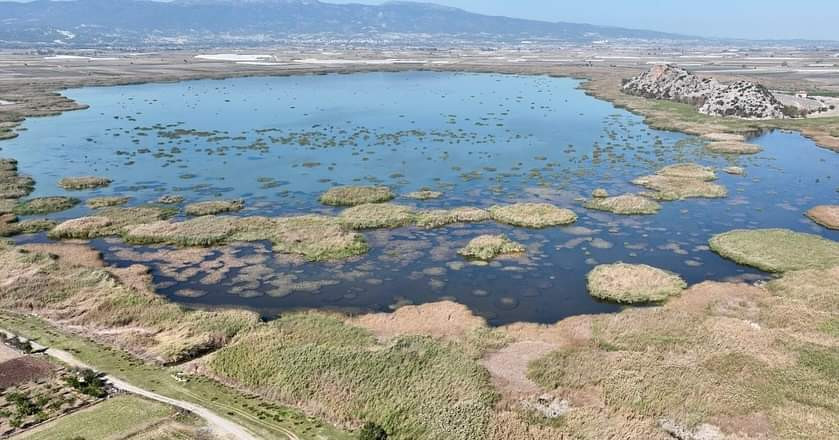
(758, 19)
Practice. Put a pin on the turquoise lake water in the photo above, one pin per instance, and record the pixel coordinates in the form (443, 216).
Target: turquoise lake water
(481, 139)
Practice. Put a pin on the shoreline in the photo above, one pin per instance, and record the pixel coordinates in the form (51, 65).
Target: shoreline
(38, 97)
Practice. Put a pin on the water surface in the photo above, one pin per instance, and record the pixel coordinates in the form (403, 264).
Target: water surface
(481, 139)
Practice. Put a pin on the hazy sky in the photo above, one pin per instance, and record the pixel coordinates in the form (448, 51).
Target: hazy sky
(758, 19)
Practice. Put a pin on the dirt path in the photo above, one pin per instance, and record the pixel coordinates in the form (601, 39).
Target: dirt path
(221, 427)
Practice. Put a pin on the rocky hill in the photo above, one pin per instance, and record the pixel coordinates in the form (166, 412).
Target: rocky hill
(142, 23)
(742, 99)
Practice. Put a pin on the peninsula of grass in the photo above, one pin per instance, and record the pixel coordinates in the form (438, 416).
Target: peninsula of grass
(633, 283)
(14, 186)
(356, 195)
(83, 182)
(627, 204)
(532, 215)
(316, 238)
(213, 207)
(825, 215)
(414, 387)
(45, 205)
(776, 250)
(25, 227)
(733, 148)
(376, 216)
(83, 296)
(108, 222)
(106, 202)
(488, 247)
(441, 217)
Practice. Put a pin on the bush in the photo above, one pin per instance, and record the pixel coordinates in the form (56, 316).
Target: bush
(88, 382)
(372, 431)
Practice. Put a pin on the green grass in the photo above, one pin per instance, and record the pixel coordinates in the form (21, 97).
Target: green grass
(116, 418)
(776, 250)
(262, 417)
(414, 387)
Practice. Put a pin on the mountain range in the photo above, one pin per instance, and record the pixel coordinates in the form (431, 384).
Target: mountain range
(79, 23)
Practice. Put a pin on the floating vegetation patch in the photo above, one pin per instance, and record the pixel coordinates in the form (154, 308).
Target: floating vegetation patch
(356, 195)
(170, 200)
(83, 182)
(600, 193)
(733, 148)
(377, 215)
(633, 283)
(213, 207)
(108, 222)
(532, 215)
(316, 238)
(441, 217)
(488, 247)
(45, 205)
(424, 195)
(105, 202)
(678, 188)
(688, 170)
(825, 215)
(776, 250)
(627, 204)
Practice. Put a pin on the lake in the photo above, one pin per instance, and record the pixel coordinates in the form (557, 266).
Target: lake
(480, 139)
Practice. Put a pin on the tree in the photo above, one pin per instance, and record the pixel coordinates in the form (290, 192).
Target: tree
(372, 431)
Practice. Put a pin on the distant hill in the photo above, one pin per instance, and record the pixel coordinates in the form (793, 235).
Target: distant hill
(243, 22)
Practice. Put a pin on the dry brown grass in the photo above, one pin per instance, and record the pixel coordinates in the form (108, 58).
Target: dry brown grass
(733, 148)
(741, 359)
(825, 215)
(630, 283)
(117, 306)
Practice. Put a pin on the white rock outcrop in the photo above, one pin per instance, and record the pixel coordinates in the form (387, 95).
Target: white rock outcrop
(742, 99)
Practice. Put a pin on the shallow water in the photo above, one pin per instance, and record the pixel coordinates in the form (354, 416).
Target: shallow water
(481, 139)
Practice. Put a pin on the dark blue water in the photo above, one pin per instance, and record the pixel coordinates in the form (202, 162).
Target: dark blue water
(481, 139)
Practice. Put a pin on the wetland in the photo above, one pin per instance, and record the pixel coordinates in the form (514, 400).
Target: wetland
(358, 192)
